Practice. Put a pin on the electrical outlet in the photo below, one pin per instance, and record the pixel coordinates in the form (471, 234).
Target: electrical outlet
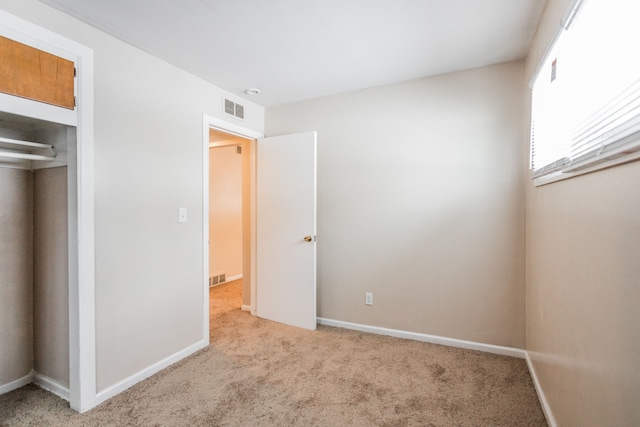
(368, 298)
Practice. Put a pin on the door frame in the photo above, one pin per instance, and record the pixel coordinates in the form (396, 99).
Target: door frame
(209, 122)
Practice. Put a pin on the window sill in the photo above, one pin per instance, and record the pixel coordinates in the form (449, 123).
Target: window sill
(593, 166)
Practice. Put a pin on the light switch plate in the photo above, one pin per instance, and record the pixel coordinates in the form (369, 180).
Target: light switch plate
(182, 214)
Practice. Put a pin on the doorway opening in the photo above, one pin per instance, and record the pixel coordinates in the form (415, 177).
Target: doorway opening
(285, 229)
(229, 275)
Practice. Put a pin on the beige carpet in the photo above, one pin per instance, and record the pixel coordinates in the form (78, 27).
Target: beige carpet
(261, 373)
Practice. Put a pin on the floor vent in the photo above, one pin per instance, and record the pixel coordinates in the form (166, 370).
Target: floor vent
(234, 109)
(218, 279)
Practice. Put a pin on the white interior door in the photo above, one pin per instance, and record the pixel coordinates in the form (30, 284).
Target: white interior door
(286, 229)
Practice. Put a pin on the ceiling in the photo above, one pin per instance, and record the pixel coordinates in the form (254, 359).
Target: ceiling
(293, 50)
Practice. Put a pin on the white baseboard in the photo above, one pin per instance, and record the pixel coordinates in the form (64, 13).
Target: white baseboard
(433, 339)
(51, 385)
(232, 278)
(245, 307)
(42, 381)
(541, 396)
(16, 384)
(121, 386)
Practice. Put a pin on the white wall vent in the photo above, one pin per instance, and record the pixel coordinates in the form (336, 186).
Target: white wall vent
(229, 107)
(234, 109)
(217, 279)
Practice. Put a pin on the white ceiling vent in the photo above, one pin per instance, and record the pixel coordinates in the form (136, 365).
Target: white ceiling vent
(234, 109)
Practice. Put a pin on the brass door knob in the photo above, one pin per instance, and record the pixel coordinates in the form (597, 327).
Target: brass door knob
(308, 239)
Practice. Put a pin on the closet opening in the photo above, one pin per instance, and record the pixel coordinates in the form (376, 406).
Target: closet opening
(35, 250)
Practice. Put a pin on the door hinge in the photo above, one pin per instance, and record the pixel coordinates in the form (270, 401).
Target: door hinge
(75, 72)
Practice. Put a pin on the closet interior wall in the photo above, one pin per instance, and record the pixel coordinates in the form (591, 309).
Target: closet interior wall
(34, 257)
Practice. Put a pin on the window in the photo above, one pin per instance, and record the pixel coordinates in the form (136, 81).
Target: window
(586, 92)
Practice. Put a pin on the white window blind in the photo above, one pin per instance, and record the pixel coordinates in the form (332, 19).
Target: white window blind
(586, 93)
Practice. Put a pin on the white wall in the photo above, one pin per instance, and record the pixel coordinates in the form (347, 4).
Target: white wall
(420, 201)
(225, 211)
(148, 163)
(583, 267)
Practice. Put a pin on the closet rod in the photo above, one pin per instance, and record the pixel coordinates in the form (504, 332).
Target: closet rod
(25, 156)
(25, 143)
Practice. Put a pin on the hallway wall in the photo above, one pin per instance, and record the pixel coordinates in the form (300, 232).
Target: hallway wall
(225, 211)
